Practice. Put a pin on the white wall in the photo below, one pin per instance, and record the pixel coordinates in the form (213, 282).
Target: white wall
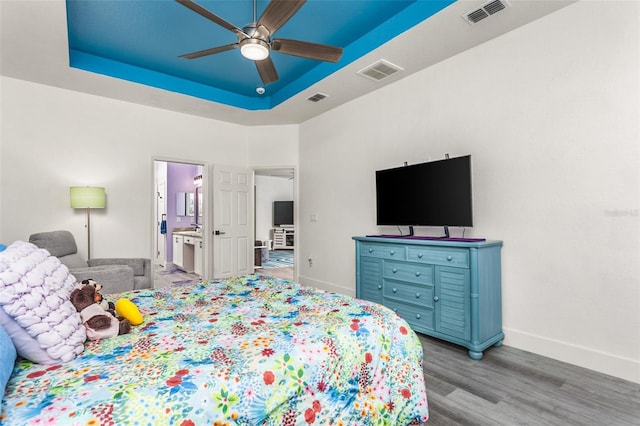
(52, 139)
(273, 146)
(549, 113)
(268, 190)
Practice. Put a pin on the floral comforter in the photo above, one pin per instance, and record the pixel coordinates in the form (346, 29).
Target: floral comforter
(243, 351)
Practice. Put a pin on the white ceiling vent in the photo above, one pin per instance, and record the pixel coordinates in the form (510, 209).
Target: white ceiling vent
(485, 11)
(380, 70)
(317, 97)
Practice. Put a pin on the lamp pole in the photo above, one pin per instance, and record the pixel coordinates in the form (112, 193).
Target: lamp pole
(87, 198)
(88, 232)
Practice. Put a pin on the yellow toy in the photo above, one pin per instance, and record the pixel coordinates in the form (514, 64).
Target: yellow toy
(126, 309)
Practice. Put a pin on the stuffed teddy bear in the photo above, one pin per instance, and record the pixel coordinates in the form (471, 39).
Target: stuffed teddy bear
(99, 323)
(99, 299)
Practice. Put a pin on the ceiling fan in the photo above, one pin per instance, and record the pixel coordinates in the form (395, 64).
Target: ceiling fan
(255, 42)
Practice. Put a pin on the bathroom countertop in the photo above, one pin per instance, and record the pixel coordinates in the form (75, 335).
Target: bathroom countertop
(189, 233)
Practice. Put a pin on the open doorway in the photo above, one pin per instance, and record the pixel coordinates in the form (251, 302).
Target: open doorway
(178, 238)
(275, 229)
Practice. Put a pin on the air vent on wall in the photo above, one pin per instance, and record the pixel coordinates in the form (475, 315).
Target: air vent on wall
(380, 70)
(485, 11)
(317, 97)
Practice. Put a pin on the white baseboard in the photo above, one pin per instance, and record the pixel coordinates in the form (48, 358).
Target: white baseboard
(613, 365)
(322, 285)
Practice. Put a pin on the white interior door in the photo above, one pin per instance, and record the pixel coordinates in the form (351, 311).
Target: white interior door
(233, 241)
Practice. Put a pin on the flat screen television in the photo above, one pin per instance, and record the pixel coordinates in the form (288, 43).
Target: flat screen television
(282, 213)
(437, 193)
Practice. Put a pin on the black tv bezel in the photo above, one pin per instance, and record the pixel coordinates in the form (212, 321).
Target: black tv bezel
(414, 199)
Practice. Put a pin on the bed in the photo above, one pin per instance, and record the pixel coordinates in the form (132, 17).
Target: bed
(250, 350)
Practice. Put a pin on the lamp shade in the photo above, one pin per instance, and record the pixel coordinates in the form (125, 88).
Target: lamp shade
(87, 197)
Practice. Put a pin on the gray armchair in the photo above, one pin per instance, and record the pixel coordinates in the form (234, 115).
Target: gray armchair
(116, 275)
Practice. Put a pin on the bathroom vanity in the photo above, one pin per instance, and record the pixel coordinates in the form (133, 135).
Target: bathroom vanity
(188, 250)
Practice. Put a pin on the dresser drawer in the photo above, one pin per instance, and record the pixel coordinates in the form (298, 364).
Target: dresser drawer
(414, 272)
(409, 293)
(419, 318)
(383, 251)
(439, 256)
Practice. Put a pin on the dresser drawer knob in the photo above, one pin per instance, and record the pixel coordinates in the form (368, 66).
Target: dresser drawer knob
(394, 270)
(420, 255)
(418, 316)
(379, 287)
(395, 290)
(370, 250)
(418, 274)
(449, 258)
(417, 295)
(436, 298)
(392, 252)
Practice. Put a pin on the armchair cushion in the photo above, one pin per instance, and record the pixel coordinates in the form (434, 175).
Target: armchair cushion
(136, 264)
(73, 261)
(57, 243)
(114, 278)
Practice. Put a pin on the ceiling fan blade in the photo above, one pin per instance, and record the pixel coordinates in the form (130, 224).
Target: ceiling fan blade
(278, 13)
(212, 51)
(210, 16)
(267, 71)
(304, 49)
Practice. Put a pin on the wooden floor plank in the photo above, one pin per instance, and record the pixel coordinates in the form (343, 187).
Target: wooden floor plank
(514, 387)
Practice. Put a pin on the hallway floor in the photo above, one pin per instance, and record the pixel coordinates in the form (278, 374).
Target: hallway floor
(165, 277)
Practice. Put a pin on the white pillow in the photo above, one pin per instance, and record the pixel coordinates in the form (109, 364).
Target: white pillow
(37, 313)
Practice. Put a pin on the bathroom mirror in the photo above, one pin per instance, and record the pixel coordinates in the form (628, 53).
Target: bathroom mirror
(190, 203)
(185, 203)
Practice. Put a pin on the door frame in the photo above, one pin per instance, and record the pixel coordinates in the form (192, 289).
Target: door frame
(205, 222)
(296, 218)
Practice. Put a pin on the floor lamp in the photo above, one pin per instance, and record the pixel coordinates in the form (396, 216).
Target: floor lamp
(87, 197)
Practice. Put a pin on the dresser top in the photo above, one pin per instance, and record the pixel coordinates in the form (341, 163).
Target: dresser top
(429, 241)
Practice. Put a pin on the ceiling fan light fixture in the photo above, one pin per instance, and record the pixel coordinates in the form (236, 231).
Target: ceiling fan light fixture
(254, 49)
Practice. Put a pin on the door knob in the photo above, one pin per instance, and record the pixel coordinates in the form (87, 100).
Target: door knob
(219, 232)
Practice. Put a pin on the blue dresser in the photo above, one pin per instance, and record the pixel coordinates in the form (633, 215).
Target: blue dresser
(449, 289)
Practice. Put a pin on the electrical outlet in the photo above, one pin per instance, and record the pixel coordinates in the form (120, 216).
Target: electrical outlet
(314, 217)
(310, 262)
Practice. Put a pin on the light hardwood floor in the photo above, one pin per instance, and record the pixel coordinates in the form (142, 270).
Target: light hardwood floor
(514, 387)
(285, 273)
(163, 279)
